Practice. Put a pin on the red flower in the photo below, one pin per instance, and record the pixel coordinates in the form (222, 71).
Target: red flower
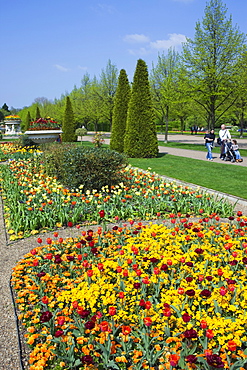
(190, 292)
(102, 213)
(167, 312)
(192, 359)
(209, 334)
(104, 326)
(87, 359)
(39, 240)
(215, 361)
(45, 299)
(205, 293)
(174, 359)
(203, 324)
(70, 224)
(223, 291)
(121, 295)
(60, 320)
(89, 273)
(232, 346)
(186, 317)
(45, 316)
(180, 290)
(112, 311)
(58, 333)
(191, 333)
(147, 321)
(126, 330)
(89, 325)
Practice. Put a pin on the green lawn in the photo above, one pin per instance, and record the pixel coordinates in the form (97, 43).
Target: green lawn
(230, 179)
(223, 177)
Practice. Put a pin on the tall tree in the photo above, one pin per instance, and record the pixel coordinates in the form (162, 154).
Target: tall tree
(68, 125)
(211, 60)
(120, 110)
(108, 86)
(27, 121)
(163, 82)
(140, 139)
(6, 108)
(37, 115)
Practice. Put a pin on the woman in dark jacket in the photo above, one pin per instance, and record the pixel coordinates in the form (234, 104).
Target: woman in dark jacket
(209, 142)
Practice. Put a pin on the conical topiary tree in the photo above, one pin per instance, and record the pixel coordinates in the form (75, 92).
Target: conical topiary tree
(120, 109)
(140, 139)
(37, 115)
(27, 121)
(68, 125)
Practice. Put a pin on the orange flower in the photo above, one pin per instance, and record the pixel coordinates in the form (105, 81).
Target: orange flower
(126, 330)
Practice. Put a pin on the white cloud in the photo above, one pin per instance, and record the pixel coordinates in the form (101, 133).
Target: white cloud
(82, 68)
(61, 68)
(140, 51)
(175, 39)
(136, 38)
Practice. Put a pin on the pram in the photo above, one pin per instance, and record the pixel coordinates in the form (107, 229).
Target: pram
(229, 154)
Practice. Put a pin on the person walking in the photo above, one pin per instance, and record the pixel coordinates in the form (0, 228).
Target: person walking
(209, 138)
(224, 135)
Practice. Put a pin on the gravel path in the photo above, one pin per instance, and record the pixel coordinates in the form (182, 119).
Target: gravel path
(11, 253)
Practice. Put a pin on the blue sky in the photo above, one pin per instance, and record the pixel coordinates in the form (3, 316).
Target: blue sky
(47, 46)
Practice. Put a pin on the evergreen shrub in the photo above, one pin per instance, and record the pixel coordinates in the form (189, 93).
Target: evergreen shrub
(91, 167)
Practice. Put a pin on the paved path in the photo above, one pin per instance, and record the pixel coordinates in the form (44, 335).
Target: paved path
(189, 139)
(196, 139)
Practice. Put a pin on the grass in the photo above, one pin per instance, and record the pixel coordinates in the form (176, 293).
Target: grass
(217, 176)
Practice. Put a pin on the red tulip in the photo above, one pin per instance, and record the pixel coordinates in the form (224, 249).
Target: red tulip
(112, 311)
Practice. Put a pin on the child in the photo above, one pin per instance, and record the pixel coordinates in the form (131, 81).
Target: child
(236, 151)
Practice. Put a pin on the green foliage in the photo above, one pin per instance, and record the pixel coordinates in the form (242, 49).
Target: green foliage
(90, 167)
(37, 115)
(6, 108)
(68, 125)
(80, 131)
(52, 157)
(140, 139)
(24, 142)
(27, 122)
(211, 58)
(120, 110)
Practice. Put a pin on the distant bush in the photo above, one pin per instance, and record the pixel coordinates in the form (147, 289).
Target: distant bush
(24, 141)
(91, 167)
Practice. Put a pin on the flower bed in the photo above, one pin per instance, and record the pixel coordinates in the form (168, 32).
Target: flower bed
(152, 297)
(34, 201)
(157, 296)
(44, 124)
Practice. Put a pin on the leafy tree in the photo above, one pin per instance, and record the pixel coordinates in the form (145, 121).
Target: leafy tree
(163, 82)
(107, 91)
(120, 110)
(211, 60)
(140, 139)
(68, 125)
